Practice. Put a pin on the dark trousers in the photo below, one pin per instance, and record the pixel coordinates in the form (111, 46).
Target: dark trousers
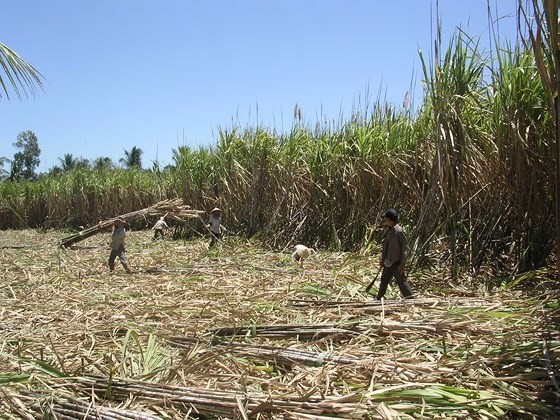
(158, 233)
(387, 275)
(122, 256)
(214, 238)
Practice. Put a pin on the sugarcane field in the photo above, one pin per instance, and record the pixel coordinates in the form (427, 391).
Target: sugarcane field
(243, 331)
(392, 254)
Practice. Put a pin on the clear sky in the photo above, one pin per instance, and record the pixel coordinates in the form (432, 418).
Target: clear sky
(159, 74)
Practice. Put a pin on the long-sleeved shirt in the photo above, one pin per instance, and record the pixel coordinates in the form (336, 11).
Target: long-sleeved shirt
(395, 246)
(214, 223)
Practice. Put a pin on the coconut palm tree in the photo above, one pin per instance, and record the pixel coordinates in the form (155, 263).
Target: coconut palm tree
(68, 162)
(4, 173)
(132, 158)
(22, 76)
(103, 163)
(83, 163)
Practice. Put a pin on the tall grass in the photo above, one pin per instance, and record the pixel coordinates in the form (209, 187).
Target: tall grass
(545, 42)
(471, 171)
(78, 198)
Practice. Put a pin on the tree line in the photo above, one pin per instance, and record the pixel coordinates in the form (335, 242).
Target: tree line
(23, 165)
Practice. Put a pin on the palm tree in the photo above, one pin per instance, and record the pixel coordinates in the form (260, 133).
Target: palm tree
(56, 170)
(103, 163)
(68, 162)
(132, 159)
(82, 163)
(22, 76)
(4, 174)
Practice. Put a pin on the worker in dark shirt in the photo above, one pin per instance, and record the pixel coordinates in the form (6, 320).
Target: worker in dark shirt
(394, 256)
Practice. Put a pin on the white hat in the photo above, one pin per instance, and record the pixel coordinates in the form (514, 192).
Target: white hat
(215, 209)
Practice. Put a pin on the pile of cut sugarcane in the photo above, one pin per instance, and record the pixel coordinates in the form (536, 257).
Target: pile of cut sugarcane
(173, 209)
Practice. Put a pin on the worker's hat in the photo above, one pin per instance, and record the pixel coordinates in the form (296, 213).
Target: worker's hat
(392, 215)
(215, 209)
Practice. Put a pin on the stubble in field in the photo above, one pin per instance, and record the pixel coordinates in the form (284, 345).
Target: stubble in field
(243, 331)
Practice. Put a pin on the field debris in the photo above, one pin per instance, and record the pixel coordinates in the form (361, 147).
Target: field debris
(241, 332)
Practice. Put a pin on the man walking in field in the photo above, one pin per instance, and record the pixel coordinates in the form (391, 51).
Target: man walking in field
(394, 256)
(117, 245)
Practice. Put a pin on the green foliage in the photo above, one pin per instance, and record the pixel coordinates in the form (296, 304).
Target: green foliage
(21, 75)
(316, 290)
(70, 163)
(132, 159)
(6, 378)
(32, 364)
(4, 173)
(139, 360)
(103, 163)
(27, 159)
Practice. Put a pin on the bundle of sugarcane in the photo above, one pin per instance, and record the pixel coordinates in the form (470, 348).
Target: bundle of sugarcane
(173, 209)
(226, 403)
(30, 404)
(284, 331)
(280, 355)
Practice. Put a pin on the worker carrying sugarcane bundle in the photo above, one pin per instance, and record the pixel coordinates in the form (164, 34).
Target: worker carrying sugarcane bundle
(117, 244)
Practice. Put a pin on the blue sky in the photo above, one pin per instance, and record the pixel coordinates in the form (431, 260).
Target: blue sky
(161, 74)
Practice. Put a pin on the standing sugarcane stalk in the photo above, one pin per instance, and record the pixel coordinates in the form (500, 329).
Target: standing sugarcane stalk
(544, 39)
